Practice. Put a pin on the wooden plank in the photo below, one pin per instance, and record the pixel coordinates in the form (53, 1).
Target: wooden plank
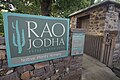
(111, 53)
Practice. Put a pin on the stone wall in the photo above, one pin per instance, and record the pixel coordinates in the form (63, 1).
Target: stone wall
(116, 56)
(111, 20)
(96, 21)
(73, 22)
(67, 68)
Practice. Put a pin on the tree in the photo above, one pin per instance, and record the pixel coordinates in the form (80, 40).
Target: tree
(92, 2)
(28, 6)
(45, 7)
(56, 8)
(59, 8)
(36, 7)
(117, 0)
(62, 8)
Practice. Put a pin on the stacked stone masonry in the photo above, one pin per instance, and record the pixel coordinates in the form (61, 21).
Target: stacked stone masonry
(68, 68)
(96, 20)
(116, 56)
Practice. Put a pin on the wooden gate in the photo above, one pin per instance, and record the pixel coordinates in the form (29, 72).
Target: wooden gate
(100, 47)
(93, 46)
(107, 51)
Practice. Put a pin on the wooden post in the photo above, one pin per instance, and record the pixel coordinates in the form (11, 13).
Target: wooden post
(103, 47)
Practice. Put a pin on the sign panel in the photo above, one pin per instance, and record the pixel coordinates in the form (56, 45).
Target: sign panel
(77, 43)
(31, 38)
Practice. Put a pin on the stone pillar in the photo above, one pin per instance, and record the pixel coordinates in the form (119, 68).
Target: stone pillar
(111, 20)
(110, 32)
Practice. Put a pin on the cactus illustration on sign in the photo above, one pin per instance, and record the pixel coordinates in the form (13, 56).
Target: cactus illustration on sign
(18, 43)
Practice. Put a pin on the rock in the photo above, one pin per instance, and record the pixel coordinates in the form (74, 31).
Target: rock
(55, 77)
(39, 72)
(47, 79)
(49, 68)
(2, 54)
(1, 69)
(31, 73)
(22, 69)
(55, 61)
(26, 75)
(0, 64)
(36, 78)
(49, 71)
(13, 76)
(9, 72)
(67, 70)
(40, 65)
(4, 64)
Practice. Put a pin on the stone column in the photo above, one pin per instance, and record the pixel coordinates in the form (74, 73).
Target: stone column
(110, 29)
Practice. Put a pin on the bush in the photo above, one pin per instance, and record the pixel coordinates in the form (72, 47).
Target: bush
(1, 23)
(2, 34)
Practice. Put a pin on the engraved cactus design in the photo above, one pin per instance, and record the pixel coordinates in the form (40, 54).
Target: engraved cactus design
(18, 43)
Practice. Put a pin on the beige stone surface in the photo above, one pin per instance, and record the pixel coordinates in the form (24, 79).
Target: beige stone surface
(2, 54)
(25, 75)
(94, 70)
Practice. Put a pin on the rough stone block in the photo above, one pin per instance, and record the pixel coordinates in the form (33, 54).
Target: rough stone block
(0, 64)
(40, 65)
(22, 69)
(13, 76)
(47, 75)
(60, 64)
(55, 77)
(49, 71)
(4, 64)
(57, 60)
(36, 78)
(2, 54)
(73, 75)
(38, 72)
(31, 73)
(9, 71)
(2, 72)
(26, 75)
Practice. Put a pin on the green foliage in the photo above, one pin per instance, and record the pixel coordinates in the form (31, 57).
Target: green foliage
(27, 6)
(1, 23)
(117, 0)
(62, 8)
(92, 2)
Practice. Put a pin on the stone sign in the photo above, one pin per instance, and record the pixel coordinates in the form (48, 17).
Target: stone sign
(31, 38)
(77, 42)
